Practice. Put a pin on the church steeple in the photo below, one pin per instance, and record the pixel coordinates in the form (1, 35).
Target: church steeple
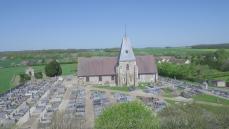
(126, 51)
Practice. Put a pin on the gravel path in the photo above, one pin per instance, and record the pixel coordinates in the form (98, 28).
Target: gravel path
(89, 111)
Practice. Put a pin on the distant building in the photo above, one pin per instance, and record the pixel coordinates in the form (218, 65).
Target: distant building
(126, 69)
(219, 83)
(187, 62)
(171, 59)
(165, 59)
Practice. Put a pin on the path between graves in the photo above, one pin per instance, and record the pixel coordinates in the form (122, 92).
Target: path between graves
(89, 111)
(66, 97)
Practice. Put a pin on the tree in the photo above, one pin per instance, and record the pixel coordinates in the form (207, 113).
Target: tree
(221, 56)
(225, 66)
(53, 69)
(131, 115)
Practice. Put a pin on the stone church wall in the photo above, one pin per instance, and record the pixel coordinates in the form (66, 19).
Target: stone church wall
(95, 80)
(127, 76)
(148, 77)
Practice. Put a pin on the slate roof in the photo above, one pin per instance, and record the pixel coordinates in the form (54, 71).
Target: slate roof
(126, 52)
(95, 66)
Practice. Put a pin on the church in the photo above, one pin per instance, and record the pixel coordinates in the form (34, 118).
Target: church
(124, 70)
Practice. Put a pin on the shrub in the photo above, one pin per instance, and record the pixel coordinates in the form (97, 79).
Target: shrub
(53, 69)
(131, 115)
(189, 116)
(24, 77)
(38, 75)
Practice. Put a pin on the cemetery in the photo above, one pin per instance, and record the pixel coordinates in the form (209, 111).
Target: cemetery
(35, 103)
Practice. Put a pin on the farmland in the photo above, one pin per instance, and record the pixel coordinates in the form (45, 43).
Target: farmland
(14, 63)
(9, 59)
(7, 74)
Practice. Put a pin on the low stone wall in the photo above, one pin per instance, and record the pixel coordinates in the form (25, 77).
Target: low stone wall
(148, 78)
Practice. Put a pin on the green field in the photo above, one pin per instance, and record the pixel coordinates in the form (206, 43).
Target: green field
(179, 51)
(6, 74)
(211, 99)
(11, 63)
(9, 59)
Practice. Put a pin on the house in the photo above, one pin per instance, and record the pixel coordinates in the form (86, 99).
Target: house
(165, 59)
(171, 59)
(219, 83)
(187, 61)
(124, 70)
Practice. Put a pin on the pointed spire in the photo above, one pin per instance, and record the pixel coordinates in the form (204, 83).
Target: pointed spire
(126, 51)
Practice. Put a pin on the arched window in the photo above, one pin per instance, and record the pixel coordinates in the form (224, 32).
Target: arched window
(127, 66)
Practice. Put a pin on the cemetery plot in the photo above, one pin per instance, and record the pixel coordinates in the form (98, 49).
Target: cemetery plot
(76, 105)
(17, 102)
(51, 105)
(122, 98)
(154, 103)
(100, 101)
(192, 89)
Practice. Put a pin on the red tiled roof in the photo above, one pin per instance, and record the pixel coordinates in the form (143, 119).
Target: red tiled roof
(95, 66)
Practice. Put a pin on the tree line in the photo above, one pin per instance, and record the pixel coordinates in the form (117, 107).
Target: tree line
(216, 60)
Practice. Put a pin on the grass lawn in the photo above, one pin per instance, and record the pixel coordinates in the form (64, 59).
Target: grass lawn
(210, 98)
(68, 69)
(118, 88)
(171, 102)
(143, 85)
(213, 109)
(6, 74)
(167, 92)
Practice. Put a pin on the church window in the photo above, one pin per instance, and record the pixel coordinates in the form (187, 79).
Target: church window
(127, 67)
(100, 78)
(87, 79)
(126, 51)
(112, 77)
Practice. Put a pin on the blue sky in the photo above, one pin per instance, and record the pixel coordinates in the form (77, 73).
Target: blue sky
(53, 24)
